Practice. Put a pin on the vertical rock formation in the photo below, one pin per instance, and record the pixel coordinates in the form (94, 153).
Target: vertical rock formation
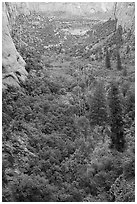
(125, 14)
(13, 65)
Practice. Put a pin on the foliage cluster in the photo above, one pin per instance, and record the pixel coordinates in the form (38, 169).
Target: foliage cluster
(51, 153)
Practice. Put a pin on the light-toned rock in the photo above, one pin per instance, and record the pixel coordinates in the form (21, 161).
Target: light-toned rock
(125, 14)
(13, 65)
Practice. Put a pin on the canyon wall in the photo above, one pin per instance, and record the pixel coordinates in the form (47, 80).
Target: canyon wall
(13, 65)
(125, 14)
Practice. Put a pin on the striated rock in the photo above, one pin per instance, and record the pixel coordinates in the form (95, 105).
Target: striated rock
(13, 65)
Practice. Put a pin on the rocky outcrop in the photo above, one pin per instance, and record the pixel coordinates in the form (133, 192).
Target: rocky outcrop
(13, 65)
(125, 14)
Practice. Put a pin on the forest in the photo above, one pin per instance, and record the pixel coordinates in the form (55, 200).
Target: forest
(69, 130)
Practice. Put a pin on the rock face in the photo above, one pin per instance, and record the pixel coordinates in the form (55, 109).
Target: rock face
(13, 65)
(125, 14)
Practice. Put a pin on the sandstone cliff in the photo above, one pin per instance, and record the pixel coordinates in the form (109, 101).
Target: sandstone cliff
(125, 14)
(13, 65)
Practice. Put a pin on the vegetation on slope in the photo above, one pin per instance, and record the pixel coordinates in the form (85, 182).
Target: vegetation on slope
(68, 132)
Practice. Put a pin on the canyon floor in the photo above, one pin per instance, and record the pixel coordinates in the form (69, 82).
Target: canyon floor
(68, 132)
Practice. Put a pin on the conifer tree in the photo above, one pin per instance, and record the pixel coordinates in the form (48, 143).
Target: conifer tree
(98, 109)
(107, 60)
(116, 121)
(119, 65)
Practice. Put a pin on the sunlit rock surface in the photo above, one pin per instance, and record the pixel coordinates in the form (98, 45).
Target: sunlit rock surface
(13, 65)
(125, 13)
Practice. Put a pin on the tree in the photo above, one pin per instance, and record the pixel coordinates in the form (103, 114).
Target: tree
(119, 65)
(119, 32)
(107, 60)
(98, 109)
(82, 123)
(130, 104)
(116, 120)
(115, 9)
(32, 188)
